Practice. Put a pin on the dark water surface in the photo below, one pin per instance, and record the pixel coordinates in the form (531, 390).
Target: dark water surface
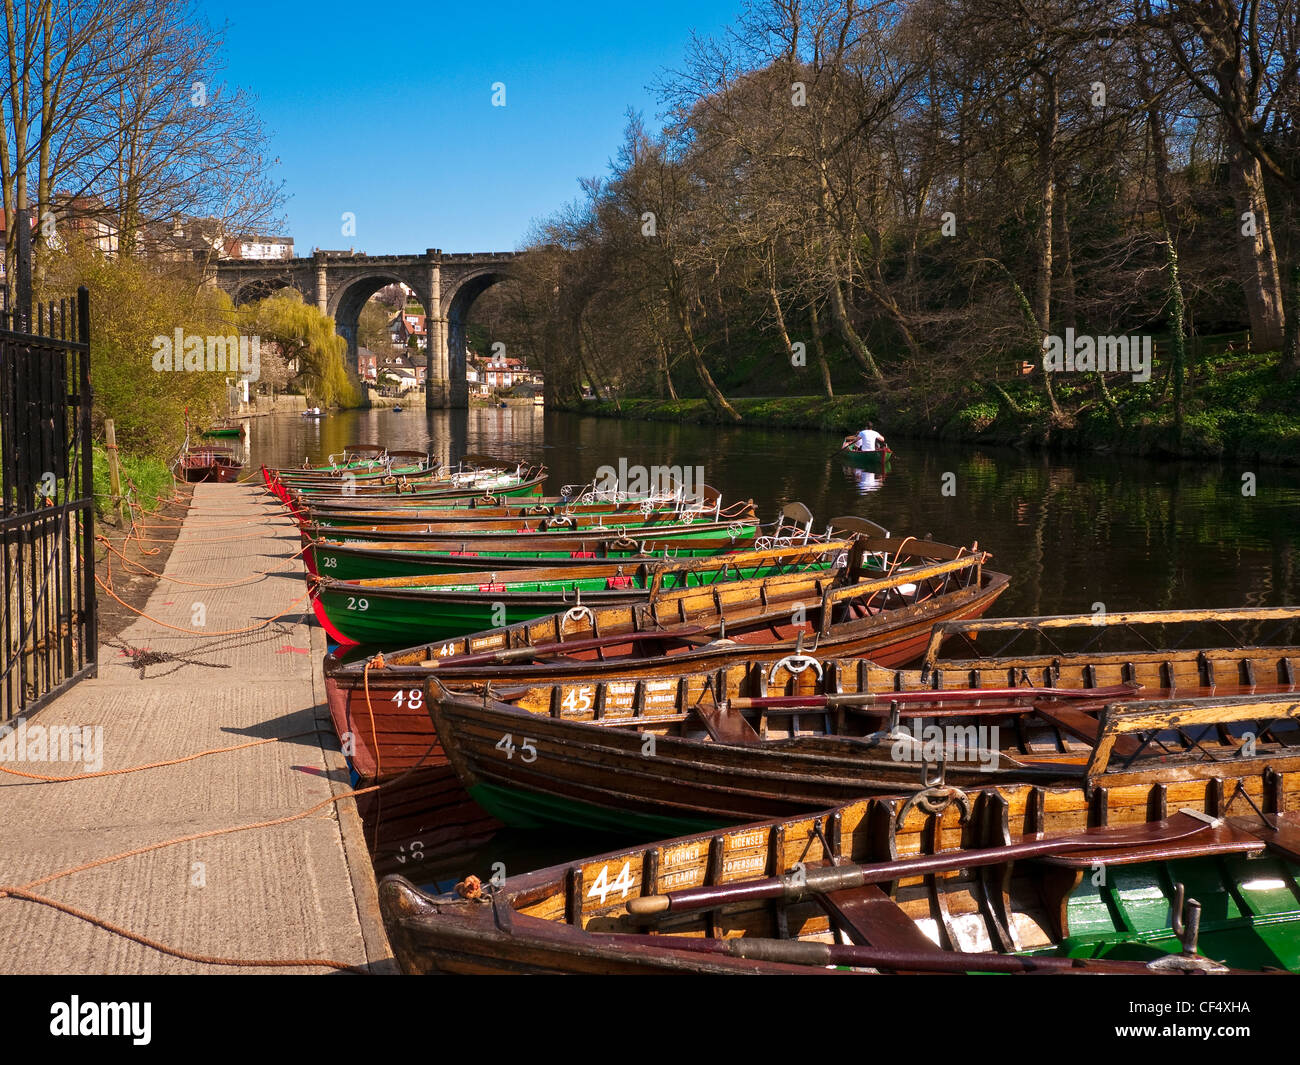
(1125, 532)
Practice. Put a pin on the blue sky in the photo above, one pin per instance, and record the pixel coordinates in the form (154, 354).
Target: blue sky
(387, 111)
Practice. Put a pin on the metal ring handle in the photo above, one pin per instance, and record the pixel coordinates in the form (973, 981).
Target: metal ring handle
(795, 664)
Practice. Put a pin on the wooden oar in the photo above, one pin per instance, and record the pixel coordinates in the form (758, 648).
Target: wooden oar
(952, 695)
(523, 654)
(794, 952)
(800, 883)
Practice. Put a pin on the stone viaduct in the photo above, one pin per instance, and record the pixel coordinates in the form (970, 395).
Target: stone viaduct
(339, 283)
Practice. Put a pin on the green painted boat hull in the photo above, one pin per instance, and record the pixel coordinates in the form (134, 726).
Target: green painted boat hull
(345, 566)
(1250, 912)
(873, 461)
(400, 617)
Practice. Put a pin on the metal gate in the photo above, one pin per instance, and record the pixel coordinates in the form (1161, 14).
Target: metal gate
(48, 634)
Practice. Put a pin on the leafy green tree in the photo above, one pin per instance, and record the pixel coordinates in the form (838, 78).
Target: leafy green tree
(134, 306)
(307, 339)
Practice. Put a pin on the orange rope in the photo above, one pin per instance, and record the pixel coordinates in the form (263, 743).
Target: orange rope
(197, 584)
(155, 765)
(378, 663)
(202, 959)
(25, 891)
(200, 632)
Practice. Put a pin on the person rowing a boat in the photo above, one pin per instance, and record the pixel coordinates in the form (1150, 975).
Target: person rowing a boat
(867, 440)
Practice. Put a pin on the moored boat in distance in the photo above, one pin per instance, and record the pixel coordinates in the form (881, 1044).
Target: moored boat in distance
(210, 462)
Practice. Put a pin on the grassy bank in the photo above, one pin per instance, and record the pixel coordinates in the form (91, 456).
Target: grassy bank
(1235, 407)
(152, 480)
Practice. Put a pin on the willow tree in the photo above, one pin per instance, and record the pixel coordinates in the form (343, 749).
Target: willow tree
(307, 340)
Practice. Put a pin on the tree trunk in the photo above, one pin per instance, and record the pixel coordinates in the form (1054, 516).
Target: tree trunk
(840, 316)
(1047, 176)
(1257, 255)
(716, 400)
(821, 351)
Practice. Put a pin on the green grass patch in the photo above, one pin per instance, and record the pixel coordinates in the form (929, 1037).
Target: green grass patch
(151, 477)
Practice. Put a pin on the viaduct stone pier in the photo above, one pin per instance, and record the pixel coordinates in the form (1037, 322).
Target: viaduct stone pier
(339, 283)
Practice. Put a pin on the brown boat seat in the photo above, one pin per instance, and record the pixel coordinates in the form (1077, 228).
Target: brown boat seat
(1225, 838)
(1281, 833)
(727, 725)
(1084, 726)
(873, 919)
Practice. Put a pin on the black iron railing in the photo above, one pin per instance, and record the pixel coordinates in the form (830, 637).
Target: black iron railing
(48, 631)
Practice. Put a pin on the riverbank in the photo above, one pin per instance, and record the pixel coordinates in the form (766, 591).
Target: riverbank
(1234, 409)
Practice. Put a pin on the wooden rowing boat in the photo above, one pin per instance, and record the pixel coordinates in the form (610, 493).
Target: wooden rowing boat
(360, 467)
(756, 739)
(360, 559)
(210, 462)
(1188, 876)
(573, 499)
(715, 762)
(877, 461)
(456, 490)
(443, 606)
(378, 703)
(342, 518)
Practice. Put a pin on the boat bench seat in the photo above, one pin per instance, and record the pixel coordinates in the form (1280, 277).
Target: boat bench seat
(1226, 838)
(873, 919)
(1281, 834)
(727, 726)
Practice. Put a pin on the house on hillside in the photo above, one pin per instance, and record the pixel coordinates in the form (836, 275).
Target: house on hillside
(367, 365)
(257, 246)
(405, 326)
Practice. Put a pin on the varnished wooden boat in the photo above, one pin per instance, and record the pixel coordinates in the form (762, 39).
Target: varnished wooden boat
(396, 483)
(710, 765)
(386, 610)
(667, 522)
(330, 519)
(574, 499)
(210, 462)
(1185, 876)
(363, 467)
(378, 702)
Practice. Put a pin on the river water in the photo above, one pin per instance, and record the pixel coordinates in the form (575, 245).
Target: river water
(1073, 532)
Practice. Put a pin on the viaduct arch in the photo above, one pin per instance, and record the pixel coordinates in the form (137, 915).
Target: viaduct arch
(340, 283)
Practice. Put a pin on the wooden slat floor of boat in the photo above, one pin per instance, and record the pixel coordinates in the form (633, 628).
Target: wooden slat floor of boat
(1074, 719)
(873, 919)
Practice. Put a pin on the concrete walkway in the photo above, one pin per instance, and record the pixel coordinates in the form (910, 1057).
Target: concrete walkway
(301, 890)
